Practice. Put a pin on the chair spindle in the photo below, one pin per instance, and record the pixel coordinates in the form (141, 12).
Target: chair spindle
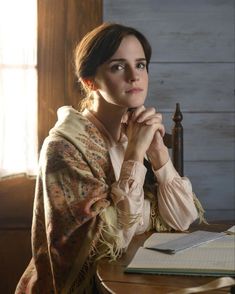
(177, 141)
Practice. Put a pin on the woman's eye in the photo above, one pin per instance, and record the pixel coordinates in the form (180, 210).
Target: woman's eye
(141, 65)
(117, 67)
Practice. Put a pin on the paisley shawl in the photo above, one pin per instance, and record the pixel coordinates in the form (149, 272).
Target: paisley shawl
(73, 187)
(74, 220)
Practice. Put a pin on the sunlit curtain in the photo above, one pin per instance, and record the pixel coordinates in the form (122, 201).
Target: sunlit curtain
(18, 87)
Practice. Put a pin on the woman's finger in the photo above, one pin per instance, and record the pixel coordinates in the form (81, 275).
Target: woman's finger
(147, 114)
(125, 118)
(156, 118)
(152, 120)
(159, 127)
(136, 112)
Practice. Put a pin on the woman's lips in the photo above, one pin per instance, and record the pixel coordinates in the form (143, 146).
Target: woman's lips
(134, 90)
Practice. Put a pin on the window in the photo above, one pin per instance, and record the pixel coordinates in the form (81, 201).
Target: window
(18, 87)
(58, 30)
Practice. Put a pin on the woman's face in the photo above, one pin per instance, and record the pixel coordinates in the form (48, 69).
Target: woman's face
(123, 79)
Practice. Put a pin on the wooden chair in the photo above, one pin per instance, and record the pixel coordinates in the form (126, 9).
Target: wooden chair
(173, 141)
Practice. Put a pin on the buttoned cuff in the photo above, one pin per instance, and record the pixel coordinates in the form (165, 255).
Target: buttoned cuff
(166, 173)
(133, 170)
(131, 181)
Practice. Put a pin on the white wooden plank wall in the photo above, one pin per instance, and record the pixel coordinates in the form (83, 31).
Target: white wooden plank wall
(193, 63)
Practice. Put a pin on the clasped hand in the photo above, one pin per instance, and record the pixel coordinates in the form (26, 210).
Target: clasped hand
(145, 131)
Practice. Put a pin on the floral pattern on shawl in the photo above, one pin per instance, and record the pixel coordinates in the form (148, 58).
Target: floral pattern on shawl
(73, 186)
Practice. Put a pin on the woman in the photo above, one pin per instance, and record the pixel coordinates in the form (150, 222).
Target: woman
(91, 196)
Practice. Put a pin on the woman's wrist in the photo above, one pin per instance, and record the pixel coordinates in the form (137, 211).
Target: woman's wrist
(158, 158)
(133, 154)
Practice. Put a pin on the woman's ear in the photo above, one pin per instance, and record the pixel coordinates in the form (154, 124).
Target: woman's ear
(90, 84)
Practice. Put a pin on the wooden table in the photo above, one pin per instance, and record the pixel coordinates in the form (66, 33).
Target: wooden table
(110, 276)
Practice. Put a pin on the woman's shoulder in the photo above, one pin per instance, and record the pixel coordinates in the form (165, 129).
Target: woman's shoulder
(74, 136)
(76, 128)
(58, 152)
(56, 148)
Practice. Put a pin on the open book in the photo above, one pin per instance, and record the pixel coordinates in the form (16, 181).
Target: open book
(214, 258)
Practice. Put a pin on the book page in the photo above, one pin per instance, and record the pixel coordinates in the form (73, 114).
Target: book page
(210, 258)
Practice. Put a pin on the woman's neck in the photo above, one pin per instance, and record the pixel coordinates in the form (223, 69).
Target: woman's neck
(110, 116)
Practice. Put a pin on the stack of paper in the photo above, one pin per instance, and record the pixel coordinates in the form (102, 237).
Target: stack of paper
(183, 242)
(213, 257)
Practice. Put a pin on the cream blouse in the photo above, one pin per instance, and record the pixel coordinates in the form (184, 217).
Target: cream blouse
(175, 195)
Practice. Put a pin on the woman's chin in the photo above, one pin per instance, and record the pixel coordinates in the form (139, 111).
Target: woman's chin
(136, 104)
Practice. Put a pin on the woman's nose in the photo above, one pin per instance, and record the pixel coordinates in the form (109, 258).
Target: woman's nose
(133, 75)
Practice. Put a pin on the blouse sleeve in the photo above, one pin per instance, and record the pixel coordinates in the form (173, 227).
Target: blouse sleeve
(176, 200)
(128, 197)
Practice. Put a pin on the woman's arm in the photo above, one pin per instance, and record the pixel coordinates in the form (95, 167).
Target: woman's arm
(176, 200)
(128, 198)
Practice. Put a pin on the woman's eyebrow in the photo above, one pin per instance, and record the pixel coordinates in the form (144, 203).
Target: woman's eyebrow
(123, 59)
